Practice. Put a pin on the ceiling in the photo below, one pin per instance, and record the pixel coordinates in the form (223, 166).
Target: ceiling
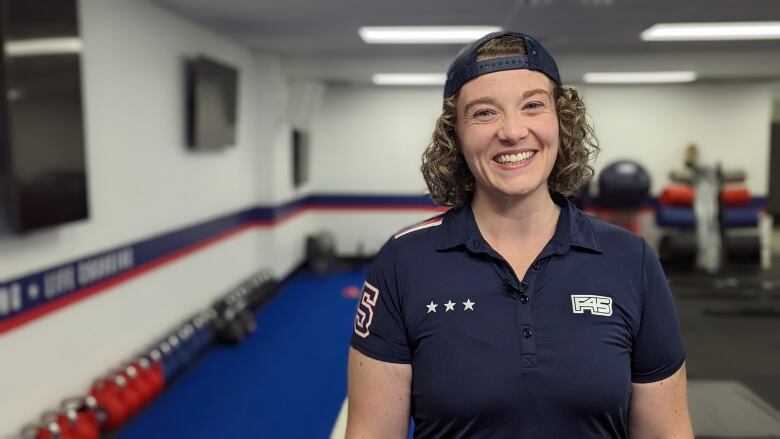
(316, 36)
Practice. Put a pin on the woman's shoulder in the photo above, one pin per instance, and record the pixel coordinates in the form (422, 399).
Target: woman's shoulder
(426, 227)
(414, 238)
(612, 237)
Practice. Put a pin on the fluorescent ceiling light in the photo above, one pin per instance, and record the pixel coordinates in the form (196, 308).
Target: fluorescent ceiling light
(43, 46)
(758, 30)
(639, 77)
(424, 34)
(409, 78)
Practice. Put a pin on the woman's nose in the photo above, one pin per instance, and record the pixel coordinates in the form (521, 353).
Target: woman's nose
(512, 129)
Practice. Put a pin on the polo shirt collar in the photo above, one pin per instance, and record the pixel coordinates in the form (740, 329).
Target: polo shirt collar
(573, 230)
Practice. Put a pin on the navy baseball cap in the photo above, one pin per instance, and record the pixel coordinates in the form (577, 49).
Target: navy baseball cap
(466, 67)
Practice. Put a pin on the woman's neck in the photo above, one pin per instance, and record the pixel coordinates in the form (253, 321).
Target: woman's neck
(516, 219)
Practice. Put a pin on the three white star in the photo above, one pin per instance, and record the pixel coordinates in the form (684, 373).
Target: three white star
(468, 305)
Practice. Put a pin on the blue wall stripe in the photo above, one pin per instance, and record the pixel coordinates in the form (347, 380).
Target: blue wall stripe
(26, 293)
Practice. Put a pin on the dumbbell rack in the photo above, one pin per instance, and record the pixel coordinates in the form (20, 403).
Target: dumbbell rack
(118, 396)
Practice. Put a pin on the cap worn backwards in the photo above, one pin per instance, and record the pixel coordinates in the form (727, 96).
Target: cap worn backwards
(466, 67)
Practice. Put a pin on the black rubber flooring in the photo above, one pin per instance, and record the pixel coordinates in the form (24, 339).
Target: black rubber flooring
(730, 324)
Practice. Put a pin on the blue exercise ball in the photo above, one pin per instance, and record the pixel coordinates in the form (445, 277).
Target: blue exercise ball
(624, 184)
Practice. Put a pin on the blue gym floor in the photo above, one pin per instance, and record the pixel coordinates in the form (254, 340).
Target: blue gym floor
(288, 380)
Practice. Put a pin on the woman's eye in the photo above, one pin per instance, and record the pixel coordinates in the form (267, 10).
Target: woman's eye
(534, 105)
(483, 113)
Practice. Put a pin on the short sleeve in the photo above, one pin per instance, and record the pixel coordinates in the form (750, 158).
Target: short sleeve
(379, 330)
(658, 349)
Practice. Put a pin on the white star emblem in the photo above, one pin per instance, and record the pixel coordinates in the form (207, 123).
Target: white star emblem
(468, 304)
(450, 306)
(432, 307)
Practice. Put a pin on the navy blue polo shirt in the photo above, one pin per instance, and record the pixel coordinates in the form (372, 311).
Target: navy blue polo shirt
(551, 355)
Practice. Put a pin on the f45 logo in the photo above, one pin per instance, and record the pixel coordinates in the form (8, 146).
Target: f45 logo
(365, 311)
(597, 305)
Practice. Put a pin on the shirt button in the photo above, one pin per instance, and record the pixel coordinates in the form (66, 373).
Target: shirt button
(527, 333)
(523, 299)
(536, 265)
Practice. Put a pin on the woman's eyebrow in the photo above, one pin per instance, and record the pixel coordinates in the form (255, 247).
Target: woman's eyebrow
(536, 91)
(477, 101)
(492, 101)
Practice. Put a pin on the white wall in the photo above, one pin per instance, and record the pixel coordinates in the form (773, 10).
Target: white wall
(370, 140)
(288, 241)
(143, 181)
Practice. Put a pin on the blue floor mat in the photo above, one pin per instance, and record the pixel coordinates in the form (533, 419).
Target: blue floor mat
(288, 380)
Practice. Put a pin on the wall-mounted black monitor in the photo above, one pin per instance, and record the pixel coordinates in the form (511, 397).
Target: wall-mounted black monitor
(773, 197)
(43, 178)
(212, 100)
(300, 157)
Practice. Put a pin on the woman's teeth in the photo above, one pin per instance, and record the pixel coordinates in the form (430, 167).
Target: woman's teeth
(515, 158)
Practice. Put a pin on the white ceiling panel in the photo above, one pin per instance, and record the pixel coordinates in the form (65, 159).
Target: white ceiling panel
(325, 31)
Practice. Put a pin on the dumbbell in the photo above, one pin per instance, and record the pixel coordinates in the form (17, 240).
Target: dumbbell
(210, 314)
(200, 334)
(156, 369)
(261, 290)
(168, 360)
(678, 250)
(176, 354)
(174, 357)
(733, 175)
(742, 250)
(198, 340)
(188, 345)
(234, 323)
(683, 176)
(203, 330)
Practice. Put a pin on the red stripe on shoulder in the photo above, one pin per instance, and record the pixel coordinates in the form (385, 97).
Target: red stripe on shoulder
(433, 222)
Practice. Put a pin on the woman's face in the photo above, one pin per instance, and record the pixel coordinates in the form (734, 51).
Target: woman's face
(508, 131)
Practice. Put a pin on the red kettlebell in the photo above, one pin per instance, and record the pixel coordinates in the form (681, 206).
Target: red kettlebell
(132, 399)
(48, 431)
(108, 396)
(63, 422)
(144, 366)
(157, 370)
(87, 416)
(137, 381)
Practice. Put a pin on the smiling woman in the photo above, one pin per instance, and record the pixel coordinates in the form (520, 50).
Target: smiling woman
(508, 132)
(514, 314)
(449, 181)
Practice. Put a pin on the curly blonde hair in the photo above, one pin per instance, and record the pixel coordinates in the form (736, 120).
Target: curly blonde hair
(449, 180)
